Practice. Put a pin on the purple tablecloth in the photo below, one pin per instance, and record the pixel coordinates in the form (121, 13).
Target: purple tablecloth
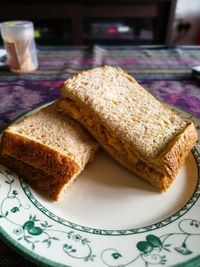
(164, 72)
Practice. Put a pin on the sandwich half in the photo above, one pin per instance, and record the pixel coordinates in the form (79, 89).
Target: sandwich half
(130, 124)
(49, 150)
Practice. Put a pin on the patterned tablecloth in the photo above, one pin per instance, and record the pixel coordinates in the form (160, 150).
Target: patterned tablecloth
(166, 72)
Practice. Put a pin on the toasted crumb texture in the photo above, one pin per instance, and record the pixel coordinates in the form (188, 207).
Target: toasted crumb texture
(59, 133)
(125, 108)
(123, 155)
(50, 142)
(121, 114)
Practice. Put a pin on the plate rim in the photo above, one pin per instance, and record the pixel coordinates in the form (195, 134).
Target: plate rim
(36, 258)
(117, 232)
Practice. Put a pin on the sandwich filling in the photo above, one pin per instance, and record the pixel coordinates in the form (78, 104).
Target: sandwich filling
(113, 144)
(135, 128)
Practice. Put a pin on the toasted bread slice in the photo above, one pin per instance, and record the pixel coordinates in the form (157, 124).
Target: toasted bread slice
(49, 186)
(135, 128)
(52, 144)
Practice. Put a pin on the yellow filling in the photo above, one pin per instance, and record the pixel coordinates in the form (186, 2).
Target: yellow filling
(75, 112)
(112, 140)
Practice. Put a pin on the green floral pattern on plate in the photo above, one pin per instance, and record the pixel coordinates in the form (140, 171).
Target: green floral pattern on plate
(109, 232)
(53, 240)
(151, 249)
(33, 230)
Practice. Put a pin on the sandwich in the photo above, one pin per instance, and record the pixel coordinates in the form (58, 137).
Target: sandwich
(129, 123)
(48, 150)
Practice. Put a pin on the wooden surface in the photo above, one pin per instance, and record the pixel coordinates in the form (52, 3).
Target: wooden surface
(76, 11)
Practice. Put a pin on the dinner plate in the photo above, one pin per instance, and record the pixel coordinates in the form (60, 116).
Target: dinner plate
(109, 217)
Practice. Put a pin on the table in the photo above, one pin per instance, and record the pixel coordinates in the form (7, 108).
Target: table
(166, 72)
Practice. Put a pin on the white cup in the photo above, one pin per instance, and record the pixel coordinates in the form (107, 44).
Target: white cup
(19, 42)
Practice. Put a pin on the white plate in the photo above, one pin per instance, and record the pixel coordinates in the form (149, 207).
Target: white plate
(107, 218)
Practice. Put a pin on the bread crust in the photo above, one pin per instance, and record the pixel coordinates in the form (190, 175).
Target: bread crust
(38, 155)
(148, 173)
(176, 145)
(48, 185)
(120, 117)
(47, 149)
(175, 154)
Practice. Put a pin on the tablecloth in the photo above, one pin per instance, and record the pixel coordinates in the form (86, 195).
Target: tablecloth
(166, 72)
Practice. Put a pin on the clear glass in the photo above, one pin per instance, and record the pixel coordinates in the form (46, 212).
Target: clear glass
(19, 42)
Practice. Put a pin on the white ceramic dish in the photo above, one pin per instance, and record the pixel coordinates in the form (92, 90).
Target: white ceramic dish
(107, 218)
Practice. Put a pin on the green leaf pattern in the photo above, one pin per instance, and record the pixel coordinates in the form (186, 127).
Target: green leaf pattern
(34, 231)
(151, 250)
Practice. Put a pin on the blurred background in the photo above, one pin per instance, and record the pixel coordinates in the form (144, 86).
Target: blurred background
(118, 22)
